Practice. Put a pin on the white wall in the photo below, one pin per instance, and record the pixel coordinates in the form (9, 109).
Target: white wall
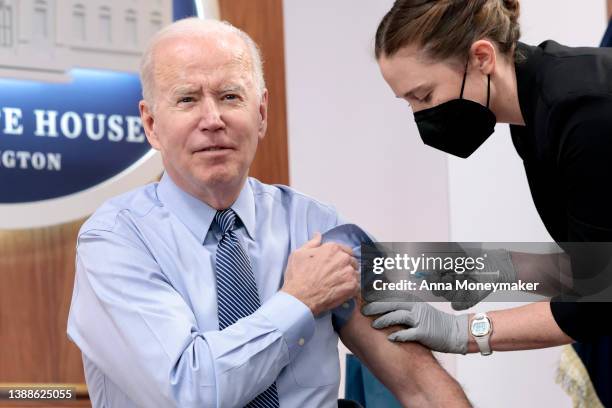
(354, 145)
(351, 143)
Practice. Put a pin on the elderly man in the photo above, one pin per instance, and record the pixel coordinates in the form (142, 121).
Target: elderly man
(207, 289)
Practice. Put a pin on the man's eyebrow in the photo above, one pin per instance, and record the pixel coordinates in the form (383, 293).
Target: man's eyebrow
(413, 91)
(232, 88)
(184, 89)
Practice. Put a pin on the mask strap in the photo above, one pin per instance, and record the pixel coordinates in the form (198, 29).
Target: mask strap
(488, 88)
(463, 82)
(488, 85)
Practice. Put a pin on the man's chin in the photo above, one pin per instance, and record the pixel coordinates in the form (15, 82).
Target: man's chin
(220, 179)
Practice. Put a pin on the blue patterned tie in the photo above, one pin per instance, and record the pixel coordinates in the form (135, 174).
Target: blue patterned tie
(237, 295)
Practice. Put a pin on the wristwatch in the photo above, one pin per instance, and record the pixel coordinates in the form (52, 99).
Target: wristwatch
(481, 328)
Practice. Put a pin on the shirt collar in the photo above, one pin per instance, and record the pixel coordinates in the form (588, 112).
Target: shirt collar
(197, 215)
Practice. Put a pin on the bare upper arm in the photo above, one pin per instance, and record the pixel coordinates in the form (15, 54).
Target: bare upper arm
(409, 370)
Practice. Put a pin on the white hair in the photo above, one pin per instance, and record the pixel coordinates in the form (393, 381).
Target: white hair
(195, 26)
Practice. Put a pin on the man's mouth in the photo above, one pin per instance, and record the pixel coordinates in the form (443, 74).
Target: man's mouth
(214, 149)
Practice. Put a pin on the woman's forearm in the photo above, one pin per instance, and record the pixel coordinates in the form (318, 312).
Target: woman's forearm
(552, 272)
(522, 328)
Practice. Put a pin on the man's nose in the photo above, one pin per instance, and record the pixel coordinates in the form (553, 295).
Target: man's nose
(210, 117)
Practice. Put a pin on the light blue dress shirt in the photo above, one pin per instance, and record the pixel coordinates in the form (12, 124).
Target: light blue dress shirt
(144, 306)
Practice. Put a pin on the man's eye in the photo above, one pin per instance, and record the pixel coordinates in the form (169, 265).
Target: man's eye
(230, 97)
(427, 98)
(185, 99)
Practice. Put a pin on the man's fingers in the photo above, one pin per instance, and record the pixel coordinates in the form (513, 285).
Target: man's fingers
(314, 241)
(394, 318)
(353, 277)
(341, 247)
(376, 308)
(405, 335)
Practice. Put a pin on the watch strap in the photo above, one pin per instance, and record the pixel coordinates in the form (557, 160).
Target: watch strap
(483, 345)
(483, 341)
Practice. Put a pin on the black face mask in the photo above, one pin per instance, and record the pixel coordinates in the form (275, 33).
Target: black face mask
(458, 126)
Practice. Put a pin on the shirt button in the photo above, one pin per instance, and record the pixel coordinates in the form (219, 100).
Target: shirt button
(301, 341)
(346, 305)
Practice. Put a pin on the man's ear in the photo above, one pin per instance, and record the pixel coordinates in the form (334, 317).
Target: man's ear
(483, 56)
(263, 114)
(148, 124)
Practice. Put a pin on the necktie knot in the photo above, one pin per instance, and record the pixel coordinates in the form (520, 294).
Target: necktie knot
(225, 219)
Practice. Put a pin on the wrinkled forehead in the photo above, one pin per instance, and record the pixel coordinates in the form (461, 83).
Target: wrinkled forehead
(181, 58)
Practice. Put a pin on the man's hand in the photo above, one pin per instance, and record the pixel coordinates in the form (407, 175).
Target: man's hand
(322, 276)
(429, 326)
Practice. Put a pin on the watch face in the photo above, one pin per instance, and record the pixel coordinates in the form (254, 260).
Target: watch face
(480, 327)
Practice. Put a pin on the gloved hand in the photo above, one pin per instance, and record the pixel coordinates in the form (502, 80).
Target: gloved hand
(498, 267)
(429, 326)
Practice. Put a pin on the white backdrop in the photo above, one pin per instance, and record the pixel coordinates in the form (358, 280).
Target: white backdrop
(354, 145)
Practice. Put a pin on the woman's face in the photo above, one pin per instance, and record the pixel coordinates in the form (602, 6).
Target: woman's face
(424, 83)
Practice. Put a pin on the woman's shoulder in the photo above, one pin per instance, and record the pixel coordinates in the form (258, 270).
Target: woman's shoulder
(567, 74)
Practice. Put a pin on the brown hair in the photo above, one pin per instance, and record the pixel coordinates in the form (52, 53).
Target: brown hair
(447, 28)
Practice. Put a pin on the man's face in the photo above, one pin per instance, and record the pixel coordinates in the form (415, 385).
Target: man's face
(208, 117)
